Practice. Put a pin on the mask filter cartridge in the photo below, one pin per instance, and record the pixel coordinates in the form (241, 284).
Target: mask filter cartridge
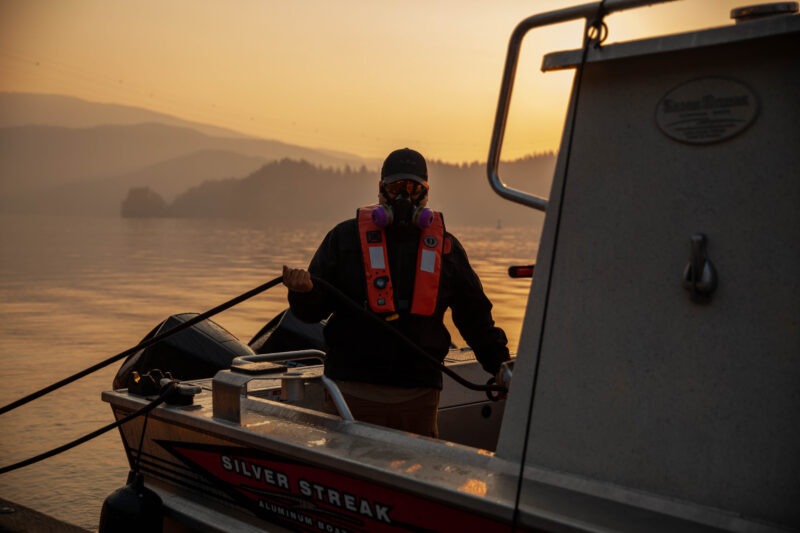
(383, 215)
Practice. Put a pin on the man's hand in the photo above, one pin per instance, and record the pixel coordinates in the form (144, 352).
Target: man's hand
(297, 279)
(503, 377)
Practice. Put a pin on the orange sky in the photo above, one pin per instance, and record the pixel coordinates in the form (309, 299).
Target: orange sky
(361, 76)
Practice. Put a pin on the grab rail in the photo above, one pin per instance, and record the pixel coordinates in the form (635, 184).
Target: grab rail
(586, 11)
(278, 357)
(338, 398)
(228, 386)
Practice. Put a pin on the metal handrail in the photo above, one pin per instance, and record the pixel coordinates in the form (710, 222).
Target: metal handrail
(338, 398)
(585, 11)
(228, 386)
(279, 356)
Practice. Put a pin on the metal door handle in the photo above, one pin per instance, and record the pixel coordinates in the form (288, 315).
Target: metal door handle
(699, 276)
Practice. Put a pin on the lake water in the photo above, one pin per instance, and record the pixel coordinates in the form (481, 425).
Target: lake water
(74, 291)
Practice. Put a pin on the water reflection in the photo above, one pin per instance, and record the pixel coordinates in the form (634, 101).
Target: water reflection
(74, 291)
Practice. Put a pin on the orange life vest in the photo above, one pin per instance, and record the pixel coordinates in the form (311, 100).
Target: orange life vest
(376, 265)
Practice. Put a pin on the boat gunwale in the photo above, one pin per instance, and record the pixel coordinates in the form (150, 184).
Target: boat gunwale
(434, 456)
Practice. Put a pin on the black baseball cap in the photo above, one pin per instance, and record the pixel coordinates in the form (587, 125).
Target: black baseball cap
(404, 164)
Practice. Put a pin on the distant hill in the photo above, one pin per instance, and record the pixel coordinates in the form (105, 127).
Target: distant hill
(102, 197)
(463, 192)
(298, 193)
(174, 176)
(283, 192)
(35, 158)
(25, 109)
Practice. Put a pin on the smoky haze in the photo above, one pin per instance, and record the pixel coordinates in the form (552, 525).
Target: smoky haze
(95, 159)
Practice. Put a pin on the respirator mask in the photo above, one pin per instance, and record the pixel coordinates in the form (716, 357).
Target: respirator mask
(402, 205)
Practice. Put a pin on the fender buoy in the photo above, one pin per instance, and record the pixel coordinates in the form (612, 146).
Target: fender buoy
(132, 509)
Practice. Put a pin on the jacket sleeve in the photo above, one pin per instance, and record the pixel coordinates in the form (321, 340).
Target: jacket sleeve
(315, 306)
(472, 314)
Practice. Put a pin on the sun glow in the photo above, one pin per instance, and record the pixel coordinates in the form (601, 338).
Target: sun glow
(354, 76)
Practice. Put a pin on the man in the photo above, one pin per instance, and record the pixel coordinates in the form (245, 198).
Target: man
(396, 258)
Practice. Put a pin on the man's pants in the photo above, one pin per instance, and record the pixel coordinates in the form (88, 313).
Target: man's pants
(415, 416)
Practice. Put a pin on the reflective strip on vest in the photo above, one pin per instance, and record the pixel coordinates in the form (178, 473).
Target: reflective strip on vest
(376, 265)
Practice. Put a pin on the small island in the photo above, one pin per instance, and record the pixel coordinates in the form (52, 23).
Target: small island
(143, 202)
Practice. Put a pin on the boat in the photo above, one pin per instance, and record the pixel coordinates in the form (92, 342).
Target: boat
(656, 386)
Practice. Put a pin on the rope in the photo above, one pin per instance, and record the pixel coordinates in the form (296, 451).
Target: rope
(343, 298)
(336, 293)
(144, 344)
(55, 451)
(596, 32)
(141, 443)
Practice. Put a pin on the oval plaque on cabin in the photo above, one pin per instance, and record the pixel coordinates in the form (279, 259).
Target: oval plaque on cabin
(706, 110)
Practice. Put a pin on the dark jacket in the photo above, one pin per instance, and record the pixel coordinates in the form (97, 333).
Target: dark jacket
(358, 351)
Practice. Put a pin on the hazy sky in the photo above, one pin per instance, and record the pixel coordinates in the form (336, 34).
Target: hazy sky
(359, 76)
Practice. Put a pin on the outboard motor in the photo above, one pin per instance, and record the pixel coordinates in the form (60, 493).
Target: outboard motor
(194, 353)
(287, 333)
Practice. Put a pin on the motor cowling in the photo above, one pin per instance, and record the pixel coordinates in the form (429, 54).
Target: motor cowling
(197, 352)
(286, 333)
